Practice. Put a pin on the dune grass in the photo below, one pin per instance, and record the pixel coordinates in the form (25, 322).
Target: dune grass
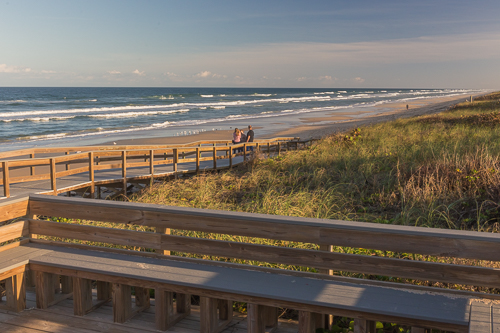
(435, 171)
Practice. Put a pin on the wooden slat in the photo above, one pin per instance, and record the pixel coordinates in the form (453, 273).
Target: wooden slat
(421, 270)
(13, 231)
(29, 162)
(417, 288)
(96, 234)
(13, 245)
(16, 292)
(480, 318)
(439, 242)
(71, 172)
(13, 209)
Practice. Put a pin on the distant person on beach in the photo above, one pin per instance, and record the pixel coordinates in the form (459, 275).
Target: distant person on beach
(250, 136)
(407, 107)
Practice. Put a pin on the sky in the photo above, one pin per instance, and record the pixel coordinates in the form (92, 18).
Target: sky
(231, 43)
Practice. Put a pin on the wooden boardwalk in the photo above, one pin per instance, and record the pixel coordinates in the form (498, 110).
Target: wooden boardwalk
(59, 318)
(88, 169)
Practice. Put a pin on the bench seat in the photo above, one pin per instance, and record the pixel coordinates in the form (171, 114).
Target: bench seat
(426, 309)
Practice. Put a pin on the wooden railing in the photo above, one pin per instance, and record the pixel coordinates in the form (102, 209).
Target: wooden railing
(325, 233)
(63, 162)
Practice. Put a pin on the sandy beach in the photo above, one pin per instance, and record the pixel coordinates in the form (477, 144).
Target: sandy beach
(316, 127)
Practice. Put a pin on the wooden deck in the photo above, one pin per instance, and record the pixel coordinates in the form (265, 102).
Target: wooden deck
(59, 318)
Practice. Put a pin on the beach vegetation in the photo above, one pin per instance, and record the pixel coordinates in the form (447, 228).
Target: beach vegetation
(435, 171)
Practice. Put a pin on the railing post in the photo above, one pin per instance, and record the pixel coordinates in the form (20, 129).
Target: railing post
(67, 164)
(279, 148)
(32, 168)
(230, 157)
(175, 159)
(215, 157)
(6, 185)
(329, 248)
(53, 175)
(124, 172)
(91, 175)
(268, 149)
(244, 152)
(197, 160)
(152, 164)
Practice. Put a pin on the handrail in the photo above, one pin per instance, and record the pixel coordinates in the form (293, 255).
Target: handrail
(407, 239)
(51, 150)
(124, 157)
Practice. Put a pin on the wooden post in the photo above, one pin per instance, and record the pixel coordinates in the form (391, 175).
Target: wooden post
(225, 309)
(104, 290)
(122, 302)
(163, 309)
(175, 160)
(152, 164)
(364, 326)
(66, 284)
(82, 296)
(255, 319)
(67, 164)
(215, 157)
(32, 168)
(197, 160)
(209, 322)
(6, 180)
(44, 289)
(279, 148)
(270, 317)
(268, 149)
(53, 176)
(244, 152)
(142, 298)
(16, 292)
(91, 175)
(309, 322)
(183, 303)
(124, 172)
(328, 248)
(230, 158)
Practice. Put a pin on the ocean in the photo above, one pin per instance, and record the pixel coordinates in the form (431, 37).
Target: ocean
(34, 117)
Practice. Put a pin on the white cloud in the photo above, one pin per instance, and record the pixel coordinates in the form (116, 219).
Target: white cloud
(47, 72)
(204, 74)
(114, 72)
(138, 72)
(13, 69)
(358, 79)
(208, 74)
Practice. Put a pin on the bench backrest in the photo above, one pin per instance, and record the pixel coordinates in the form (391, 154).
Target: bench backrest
(309, 232)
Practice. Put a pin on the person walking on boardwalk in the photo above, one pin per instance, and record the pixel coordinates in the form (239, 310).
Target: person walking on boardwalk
(250, 136)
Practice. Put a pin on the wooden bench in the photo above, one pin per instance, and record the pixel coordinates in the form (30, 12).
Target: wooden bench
(63, 269)
(224, 282)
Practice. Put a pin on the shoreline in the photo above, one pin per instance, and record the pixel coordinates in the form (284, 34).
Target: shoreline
(315, 126)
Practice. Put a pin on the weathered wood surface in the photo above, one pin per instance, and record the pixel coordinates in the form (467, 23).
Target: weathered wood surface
(427, 271)
(314, 295)
(14, 230)
(13, 209)
(59, 318)
(430, 241)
